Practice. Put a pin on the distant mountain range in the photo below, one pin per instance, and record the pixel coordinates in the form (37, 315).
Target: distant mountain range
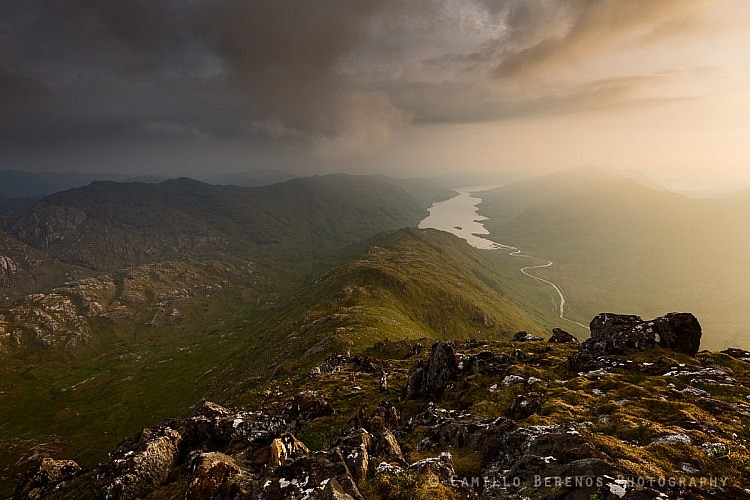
(20, 189)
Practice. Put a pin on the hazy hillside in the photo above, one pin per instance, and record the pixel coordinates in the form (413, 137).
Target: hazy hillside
(109, 225)
(619, 245)
(18, 184)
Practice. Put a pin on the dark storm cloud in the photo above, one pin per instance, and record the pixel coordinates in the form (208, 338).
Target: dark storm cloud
(334, 76)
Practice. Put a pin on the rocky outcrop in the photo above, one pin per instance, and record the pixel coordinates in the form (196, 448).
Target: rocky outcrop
(356, 449)
(429, 379)
(560, 336)
(308, 477)
(140, 464)
(525, 337)
(46, 224)
(625, 334)
(522, 422)
(48, 476)
(216, 475)
(284, 449)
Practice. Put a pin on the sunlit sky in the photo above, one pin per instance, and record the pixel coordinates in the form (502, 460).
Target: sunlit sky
(406, 88)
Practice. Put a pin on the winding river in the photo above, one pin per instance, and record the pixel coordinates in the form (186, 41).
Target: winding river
(459, 216)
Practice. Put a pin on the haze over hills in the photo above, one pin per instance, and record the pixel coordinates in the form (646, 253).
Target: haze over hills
(620, 245)
(109, 225)
(149, 297)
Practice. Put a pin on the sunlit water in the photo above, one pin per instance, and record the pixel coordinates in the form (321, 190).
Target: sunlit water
(459, 216)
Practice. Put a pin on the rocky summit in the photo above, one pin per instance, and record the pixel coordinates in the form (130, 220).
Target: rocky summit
(652, 418)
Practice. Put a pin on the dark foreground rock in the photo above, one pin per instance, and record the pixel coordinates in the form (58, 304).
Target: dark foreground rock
(46, 477)
(560, 336)
(643, 426)
(429, 379)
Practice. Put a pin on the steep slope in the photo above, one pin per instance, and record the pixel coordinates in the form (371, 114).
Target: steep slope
(619, 245)
(107, 225)
(408, 284)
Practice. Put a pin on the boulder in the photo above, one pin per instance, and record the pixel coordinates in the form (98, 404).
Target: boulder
(307, 406)
(440, 466)
(285, 448)
(525, 337)
(387, 447)
(356, 448)
(214, 475)
(48, 475)
(216, 426)
(560, 336)
(626, 334)
(141, 464)
(309, 477)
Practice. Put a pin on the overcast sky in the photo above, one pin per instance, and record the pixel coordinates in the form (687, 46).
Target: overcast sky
(405, 87)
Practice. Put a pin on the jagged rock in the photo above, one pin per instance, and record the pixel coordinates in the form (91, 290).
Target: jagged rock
(525, 337)
(356, 448)
(387, 446)
(560, 336)
(440, 466)
(307, 406)
(625, 334)
(285, 448)
(430, 379)
(385, 416)
(309, 476)
(452, 428)
(525, 405)
(215, 424)
(484, 362)
(49, 475)
(334, 491)
(214, 475)
(141, 464)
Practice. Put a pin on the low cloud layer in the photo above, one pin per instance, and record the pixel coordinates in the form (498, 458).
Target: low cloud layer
(322, 80)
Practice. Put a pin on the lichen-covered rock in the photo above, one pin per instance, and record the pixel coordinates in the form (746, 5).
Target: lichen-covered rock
(49, 475)
(430, 379)
(215, 424)
(141, 464)
(215, 475)
(626, 334)
(458, 429)
(307, 406)
(356, 448)
(285, 448)
(387, 447)
(529, 453)
(440, 466)
(308, 477)
(525, 337)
